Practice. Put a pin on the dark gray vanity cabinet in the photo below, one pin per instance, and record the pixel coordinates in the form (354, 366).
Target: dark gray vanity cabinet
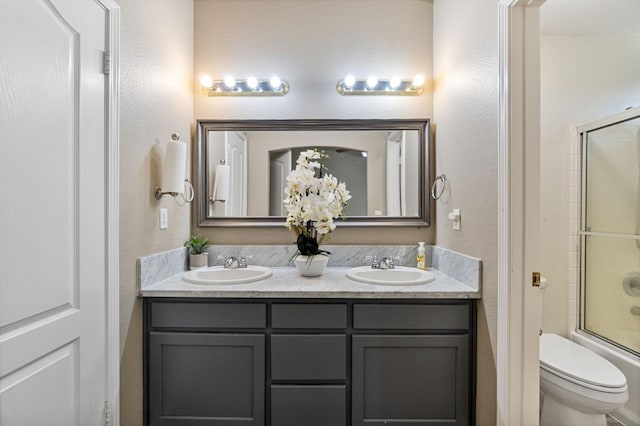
(415, 367)
(309, 367)
(309, 362)
(205, 363)
(212, 379)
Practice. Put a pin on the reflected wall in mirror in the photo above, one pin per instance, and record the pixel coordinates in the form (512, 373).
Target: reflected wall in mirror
(242, 167)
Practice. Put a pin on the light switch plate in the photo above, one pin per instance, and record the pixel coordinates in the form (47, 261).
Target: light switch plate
(454, 217)
(164, 218)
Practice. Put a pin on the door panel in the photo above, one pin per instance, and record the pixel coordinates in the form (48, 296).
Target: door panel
(49, 153)
(48, 384)
(316, 405)
(53, 214)
(206, 379)
(410, 380)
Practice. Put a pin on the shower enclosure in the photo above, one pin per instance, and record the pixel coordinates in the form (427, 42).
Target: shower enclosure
(610, 231)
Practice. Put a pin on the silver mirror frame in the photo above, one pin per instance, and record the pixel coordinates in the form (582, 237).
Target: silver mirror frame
(200, 155)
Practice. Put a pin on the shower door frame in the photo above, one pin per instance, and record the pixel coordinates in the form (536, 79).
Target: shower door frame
(582, 132)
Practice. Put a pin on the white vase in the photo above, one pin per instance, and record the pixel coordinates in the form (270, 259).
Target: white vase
(311, 266)
(197, 261)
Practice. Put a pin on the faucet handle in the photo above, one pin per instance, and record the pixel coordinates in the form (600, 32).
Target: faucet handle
(242, 261)
(374, 261)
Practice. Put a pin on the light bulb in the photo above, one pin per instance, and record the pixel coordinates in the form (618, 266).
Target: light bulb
(395, 81)
(252, 82)
(275, 82)
(349, 81)
(206, 81)
(364, 154)
(230, 82)
(418, 81)
(372, 81)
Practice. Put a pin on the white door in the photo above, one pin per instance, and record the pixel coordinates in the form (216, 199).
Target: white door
(236, 146)
(517, 364)
(279, 169)
(394, 173)
(53, 225)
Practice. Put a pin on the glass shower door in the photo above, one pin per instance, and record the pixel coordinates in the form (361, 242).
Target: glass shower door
(610, 233)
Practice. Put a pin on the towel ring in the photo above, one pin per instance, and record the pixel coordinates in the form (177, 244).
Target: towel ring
(437, 194)
(188, 191)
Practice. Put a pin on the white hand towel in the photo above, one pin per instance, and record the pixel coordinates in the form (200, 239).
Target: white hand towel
(221, 183)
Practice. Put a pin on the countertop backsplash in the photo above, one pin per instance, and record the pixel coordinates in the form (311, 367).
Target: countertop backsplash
(160, 266)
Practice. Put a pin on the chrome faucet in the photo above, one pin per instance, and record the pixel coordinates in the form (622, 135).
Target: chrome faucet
(232, 262)
(386, 262)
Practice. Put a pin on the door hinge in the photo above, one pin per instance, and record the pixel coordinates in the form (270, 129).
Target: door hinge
(107, 413)
(535, 279)
(106, 62)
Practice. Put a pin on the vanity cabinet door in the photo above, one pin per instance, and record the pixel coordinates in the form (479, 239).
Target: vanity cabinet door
(308, 405)
(308, 357)
(206, 379)
(410, 380)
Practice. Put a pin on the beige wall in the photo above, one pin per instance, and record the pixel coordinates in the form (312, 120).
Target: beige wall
(156, 100)
(583, 78)
(466, 121)
(313, 44)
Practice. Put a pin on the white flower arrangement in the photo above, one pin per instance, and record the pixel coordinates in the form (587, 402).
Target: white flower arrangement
(313, 200)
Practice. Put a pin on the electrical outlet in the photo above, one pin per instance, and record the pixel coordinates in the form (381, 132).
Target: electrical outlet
(164, 218)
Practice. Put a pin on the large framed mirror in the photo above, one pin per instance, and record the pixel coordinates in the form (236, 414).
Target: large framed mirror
(241, 168)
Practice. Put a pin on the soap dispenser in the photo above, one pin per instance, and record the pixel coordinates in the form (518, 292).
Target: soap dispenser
(421, 263)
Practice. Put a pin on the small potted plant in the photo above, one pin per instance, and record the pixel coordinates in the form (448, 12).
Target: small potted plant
(198, 257)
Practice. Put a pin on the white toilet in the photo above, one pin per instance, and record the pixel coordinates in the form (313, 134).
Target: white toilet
(578, 387)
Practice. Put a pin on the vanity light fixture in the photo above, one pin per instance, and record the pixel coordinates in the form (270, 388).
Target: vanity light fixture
(252, 86)
(374, 86)
(372, 82)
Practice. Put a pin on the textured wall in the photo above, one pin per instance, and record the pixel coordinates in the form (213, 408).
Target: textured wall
(466, 119)
(583, 78)
(312, 44)
(320, 43)
(156, 99)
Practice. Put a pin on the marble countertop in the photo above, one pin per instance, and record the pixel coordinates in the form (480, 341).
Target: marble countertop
(286, 282)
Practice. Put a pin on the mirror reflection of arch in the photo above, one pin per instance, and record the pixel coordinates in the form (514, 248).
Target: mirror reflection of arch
(346, 164)
(242, 166)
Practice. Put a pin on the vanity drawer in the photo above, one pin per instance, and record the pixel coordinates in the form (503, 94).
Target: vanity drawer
(308, 357)
(411, 317)
(195, 315)
(293, 405)
(304, 315)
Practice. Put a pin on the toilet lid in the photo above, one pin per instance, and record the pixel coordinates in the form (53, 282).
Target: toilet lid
(577, 362)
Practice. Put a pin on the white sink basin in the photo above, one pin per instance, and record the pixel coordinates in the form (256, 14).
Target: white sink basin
(220, 276)
(400, 275)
